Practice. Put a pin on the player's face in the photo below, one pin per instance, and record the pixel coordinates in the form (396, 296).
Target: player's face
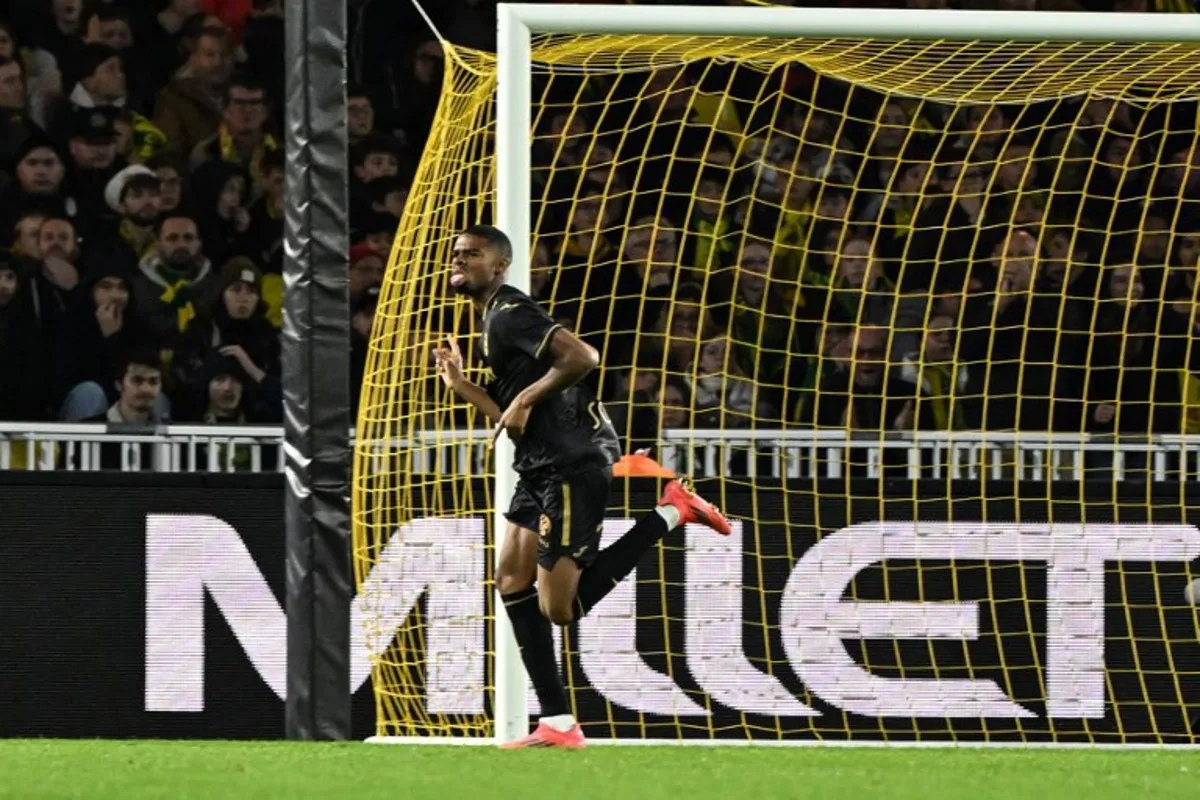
(474, 266)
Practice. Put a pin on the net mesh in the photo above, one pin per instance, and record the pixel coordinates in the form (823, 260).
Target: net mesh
(816, 270)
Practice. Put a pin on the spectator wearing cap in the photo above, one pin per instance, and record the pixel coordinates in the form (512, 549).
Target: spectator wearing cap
(219, 191)
(175, 281)
(366, 268)
(237, 316)
(362, 319)
(133, 195)
(188, 109)
(241, 138)
(101, 78)
(101, 326)
(109, 24)
(92, 141)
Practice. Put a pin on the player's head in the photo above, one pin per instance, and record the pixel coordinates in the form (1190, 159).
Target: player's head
(480, 260)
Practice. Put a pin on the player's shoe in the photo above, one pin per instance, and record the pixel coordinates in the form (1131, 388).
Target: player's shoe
(694, 508)
(545, 736)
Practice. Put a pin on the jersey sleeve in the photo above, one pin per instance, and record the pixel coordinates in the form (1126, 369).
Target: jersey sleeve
(523, 327)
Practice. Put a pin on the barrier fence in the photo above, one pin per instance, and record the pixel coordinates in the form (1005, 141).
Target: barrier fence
(787, 454)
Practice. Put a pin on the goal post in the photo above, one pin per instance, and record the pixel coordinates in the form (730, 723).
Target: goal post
(420, 464)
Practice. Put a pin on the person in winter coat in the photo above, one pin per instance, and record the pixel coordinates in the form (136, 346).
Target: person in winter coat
(100, 329)
(23, 384)
(175, 282)
(237, 318)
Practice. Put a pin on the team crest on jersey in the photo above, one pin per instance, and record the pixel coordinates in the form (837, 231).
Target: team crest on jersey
(544, 526)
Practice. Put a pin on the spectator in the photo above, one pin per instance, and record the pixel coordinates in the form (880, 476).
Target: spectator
(101, 78)
(366, 268)
(236, 317)
(1121, 387)
(387, 195)
(139, 386)
(241, 138)
(360, 114)
(16, 126)
(133, 195)
(375, 156)
(163, 38)
(1013, 334)
(262, 42)
(266, 214)
(220, 191)
(188, 110)
(174, 281)
(946, 395)
(56, 277)
(412, 112)
(23, 365)
(25, 236)
(91, 139)
(674, 404)
(236, 392)
(378, 232)
(170, 172)
(102, 326)
(724, 398)
(867, 396)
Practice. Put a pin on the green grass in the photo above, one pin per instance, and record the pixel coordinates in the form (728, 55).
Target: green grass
(51, 768)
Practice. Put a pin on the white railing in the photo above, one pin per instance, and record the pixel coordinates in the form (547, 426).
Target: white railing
(703, 453)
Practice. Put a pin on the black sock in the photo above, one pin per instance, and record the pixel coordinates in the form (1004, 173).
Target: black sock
(616, 561)
(537, 650)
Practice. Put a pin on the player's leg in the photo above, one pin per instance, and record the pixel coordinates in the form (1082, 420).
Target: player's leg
(515, 575)
(679, 505)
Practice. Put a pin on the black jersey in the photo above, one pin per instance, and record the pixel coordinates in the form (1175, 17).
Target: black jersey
(564, 431)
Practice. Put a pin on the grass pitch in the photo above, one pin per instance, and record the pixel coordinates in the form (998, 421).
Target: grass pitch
(144, 769)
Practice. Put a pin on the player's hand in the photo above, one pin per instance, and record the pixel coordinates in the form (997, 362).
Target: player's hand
(514, 420)
(449, 362)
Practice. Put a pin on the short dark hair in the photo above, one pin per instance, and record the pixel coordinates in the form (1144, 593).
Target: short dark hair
(355, 89)
(242, 80)
(495, 238)
(178, 213)
(141, 356)
(373, 143)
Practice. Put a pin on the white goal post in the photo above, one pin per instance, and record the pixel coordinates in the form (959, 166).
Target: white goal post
(518, 23)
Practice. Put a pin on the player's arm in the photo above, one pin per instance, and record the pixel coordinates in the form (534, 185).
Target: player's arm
(572, 360)
(450, 367)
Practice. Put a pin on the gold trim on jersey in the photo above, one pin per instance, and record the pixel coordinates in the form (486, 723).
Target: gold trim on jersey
(541, 348)
(566, 515)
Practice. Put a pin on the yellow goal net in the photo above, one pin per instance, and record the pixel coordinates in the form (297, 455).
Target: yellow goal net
(918, 314)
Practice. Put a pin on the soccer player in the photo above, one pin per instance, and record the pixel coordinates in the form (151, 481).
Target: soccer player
(565, 449)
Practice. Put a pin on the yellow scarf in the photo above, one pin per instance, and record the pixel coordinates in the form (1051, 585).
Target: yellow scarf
(184, 309)
(229, 151)
(142, 243)
(942, 384)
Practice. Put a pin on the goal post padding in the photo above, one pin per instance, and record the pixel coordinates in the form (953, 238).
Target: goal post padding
(778, 226)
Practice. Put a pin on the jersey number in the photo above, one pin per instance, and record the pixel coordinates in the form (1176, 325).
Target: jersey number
(598, 414)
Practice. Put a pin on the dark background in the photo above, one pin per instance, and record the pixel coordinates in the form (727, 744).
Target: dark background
(73, 592)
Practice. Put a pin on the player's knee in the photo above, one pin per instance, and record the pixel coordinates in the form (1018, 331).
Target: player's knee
(559, 613)
(512, 582)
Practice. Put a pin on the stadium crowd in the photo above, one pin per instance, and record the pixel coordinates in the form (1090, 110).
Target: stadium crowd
(843, 257)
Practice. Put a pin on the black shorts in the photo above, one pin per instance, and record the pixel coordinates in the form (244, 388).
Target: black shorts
(567, 514)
